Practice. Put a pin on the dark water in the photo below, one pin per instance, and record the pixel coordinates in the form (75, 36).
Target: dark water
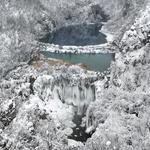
(97, 62)
(78, 35)
(79, 133)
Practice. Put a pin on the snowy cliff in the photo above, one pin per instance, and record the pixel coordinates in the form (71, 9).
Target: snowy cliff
(121, 114)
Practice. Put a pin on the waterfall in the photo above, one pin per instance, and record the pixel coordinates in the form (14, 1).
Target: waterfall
(78, 95)
(78, 92)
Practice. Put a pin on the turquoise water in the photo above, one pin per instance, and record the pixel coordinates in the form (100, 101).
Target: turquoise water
(96, 62)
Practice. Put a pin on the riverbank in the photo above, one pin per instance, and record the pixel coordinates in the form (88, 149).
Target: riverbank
(109, 36)
(102, 48)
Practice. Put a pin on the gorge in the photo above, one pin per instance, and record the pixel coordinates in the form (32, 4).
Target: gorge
(79, 93)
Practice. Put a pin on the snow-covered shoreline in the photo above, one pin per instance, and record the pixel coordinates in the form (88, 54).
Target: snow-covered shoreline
(109, 36)
(102, 48)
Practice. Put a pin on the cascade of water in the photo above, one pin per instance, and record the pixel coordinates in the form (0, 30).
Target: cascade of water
(79, 95)
(76, 92)
(89, 121)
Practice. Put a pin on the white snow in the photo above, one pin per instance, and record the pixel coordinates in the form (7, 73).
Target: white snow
(101, 48)
(61, 113)
(89, 129)
(109, 36)
(74, 143)
(108, 143)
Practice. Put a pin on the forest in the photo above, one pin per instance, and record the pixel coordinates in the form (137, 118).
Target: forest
(39, 96)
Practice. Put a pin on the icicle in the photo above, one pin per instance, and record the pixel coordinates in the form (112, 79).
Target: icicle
(87, 118)
(77, 94)
(89, 122)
